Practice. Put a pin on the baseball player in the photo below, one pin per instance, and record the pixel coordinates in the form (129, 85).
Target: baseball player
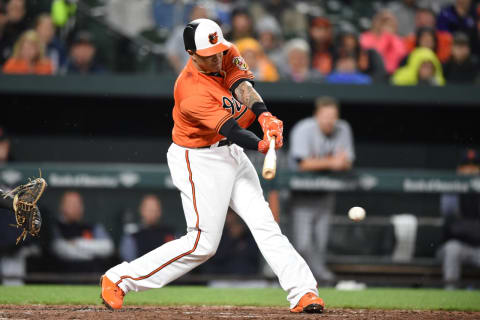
(214, 102)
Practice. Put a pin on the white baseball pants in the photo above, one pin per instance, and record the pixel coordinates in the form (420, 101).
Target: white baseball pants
(210, 180)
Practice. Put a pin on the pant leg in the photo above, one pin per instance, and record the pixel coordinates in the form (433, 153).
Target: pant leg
(312, 213)
(302, 218)
(249, 203)
(205, 181)
(325, 207)
(456, 253)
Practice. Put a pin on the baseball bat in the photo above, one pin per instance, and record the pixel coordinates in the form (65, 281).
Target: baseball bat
(270, 163)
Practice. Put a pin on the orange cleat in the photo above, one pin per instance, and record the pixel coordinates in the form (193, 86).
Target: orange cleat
(112, 295)
(309, 303)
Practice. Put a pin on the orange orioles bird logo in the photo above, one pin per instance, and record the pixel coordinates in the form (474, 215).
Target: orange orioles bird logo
(213, 38)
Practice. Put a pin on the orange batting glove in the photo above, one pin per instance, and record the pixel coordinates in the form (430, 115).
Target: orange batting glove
(272, 127)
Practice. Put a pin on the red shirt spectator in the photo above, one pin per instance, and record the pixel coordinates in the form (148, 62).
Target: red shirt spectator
(425, 18)
(321, 44)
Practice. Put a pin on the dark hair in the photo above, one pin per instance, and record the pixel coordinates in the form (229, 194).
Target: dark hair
(240, 11)
(325, 101)
(423, 30)
(340, 49)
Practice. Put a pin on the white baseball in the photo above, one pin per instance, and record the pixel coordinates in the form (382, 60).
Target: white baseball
(357, 213)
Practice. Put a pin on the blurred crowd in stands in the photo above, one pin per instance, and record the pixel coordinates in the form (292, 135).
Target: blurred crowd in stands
(402, 42)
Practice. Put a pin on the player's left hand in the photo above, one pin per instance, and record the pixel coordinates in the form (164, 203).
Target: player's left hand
(272, 127)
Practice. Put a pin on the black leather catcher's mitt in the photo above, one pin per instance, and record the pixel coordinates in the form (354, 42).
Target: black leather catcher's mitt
(25, 199)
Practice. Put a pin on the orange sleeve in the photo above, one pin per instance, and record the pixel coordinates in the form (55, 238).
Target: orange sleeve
(206, 111)
(235, 67)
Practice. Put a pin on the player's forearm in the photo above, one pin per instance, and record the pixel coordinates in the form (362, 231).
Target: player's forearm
(315, 164)
(244, 138)
(325, 163)
(247, 95)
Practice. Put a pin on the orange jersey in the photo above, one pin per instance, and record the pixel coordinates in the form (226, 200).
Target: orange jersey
(203, 102)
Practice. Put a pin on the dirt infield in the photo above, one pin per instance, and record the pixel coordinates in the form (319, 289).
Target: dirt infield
(194, 313)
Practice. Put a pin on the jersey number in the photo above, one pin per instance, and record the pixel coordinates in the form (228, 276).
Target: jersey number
(235, 107)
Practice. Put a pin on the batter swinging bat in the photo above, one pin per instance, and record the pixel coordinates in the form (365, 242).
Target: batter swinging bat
(270, 163)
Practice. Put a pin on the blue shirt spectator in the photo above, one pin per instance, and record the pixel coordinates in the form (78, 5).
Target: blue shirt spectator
(457, 17)
(346, 72)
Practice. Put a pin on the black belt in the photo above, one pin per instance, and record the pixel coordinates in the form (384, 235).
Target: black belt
(222, 143)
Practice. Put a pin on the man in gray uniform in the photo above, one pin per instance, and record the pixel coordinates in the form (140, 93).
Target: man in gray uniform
(319, 143)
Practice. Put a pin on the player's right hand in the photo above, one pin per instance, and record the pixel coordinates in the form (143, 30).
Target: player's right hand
(272, 127)
(268, 122)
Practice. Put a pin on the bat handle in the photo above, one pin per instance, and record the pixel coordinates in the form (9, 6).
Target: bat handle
(270, 165)
(272, 143)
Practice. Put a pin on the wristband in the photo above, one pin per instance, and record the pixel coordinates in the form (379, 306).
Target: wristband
(258, 108)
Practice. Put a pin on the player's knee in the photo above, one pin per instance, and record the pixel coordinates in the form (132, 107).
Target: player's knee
(453, 248)
(207, 249)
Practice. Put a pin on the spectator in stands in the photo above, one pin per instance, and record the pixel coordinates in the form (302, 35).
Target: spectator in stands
(426, 38)
(461, 225)
(79, 246)
(29, 56)
(404, 11)
(422, 68)
(237, 253)
(151, 234)
(383, 38)
(369, 61)
(458, 17)
(12, 25)
(346, 72)
(270, 38)
(55, 50)
(176, 54)
(321, 45)
(82, 57)
(258, 63)
(317, 144)
(425, 20)
(462, 67)
(297, 66)
(241, 24)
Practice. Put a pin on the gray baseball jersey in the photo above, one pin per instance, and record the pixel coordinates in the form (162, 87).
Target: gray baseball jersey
(307, 140)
